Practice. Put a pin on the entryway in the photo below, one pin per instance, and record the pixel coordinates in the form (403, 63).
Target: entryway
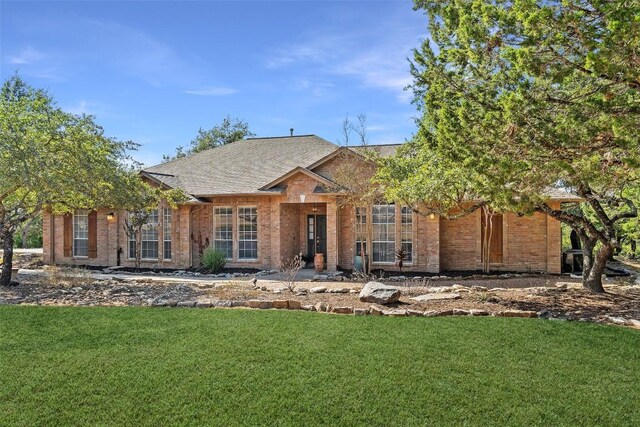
(316, 236)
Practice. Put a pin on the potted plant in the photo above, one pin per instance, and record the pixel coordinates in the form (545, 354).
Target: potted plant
(318, 262)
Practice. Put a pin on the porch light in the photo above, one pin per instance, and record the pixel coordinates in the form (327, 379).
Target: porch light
(314, 208)
(110, 216)
(432, 216)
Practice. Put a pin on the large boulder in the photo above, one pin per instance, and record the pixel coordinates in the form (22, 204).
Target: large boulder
(379, 293)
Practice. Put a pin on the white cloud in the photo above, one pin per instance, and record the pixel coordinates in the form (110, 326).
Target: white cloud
(27, 56)
(376, 63)
(211, 91)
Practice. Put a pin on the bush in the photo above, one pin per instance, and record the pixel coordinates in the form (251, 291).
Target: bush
(214, 259)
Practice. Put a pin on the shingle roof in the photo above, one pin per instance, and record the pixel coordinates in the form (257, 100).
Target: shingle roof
(242, 167)
(384, 150)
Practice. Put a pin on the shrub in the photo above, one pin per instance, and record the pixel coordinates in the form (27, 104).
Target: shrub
(214, 259)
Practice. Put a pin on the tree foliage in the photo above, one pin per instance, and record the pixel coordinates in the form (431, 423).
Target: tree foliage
(53, 160)
(229, 130)
(520, 97)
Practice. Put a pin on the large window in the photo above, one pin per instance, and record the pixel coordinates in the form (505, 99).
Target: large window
(406, 232)
(361, 231)
(247, 233)
(81, 233)
(149, 238)
(149, 247)
(166, 233)
(383, 220)
(223, 231)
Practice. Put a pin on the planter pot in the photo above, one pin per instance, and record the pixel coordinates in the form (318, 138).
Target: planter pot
(358, 265)
(318, 262)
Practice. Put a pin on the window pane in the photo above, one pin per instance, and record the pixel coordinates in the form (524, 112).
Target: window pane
(247, 233)
(407, 232)
(361, 230)
(223, 231)
(81, 233)
(167, 228)
(384, 229)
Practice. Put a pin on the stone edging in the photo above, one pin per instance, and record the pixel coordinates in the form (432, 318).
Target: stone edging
(374, 310)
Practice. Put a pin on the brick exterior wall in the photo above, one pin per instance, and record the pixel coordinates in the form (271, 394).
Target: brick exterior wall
(530, 243)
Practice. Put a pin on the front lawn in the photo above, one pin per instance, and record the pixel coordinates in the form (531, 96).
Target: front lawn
(146, 366)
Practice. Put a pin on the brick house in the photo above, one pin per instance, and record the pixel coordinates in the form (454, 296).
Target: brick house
(264, 200)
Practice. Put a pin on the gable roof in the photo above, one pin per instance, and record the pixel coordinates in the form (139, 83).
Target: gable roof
(298, 169)
(241, 167)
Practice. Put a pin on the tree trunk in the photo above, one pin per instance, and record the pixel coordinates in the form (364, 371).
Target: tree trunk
(633, 249)
(588, 246)
(593, 280)
(138, 248)
(7, 264)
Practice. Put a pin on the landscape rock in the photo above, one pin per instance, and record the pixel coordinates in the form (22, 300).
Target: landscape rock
(475, 312)
(517, 313)
(376, 310)
(294, 304)
(430, 313)
(460, 312)
(394, 313)
(222, 303)
(318, 289)
(308, 307)
(414, 313)
(342, 310)
(253, 303)
(379, 293)
(360, 311)
(436, 297)
(444, 313)
(186, 304)
(633, 323)
(282, 304)
(321, 307)
(616, 320)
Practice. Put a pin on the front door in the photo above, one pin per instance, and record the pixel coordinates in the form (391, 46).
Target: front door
(316, 235)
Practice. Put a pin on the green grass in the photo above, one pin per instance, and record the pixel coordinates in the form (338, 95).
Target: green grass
(139, 366)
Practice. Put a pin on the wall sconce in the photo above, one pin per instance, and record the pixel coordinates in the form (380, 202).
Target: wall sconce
(314, 209)
(110, 216)
(302, 197)
(432, 216)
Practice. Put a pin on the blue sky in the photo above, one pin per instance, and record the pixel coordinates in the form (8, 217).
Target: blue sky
(155, 71)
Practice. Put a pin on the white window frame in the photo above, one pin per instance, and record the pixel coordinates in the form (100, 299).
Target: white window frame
(240, 231)
(390, 232)
(79, 214)
(217, 237)
(361, 229)
(167, 233)
(149, 227)
(406, 232)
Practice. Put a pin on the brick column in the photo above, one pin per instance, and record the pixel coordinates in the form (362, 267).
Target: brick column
(332, 236)
(273, 260)
(46, 238)
(554, 244)
(184, 237)
(432, 239)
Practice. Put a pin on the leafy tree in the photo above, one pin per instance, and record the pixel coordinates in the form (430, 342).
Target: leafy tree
(520, 97)
(228, 131)
(29, 233)
(53, 160)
